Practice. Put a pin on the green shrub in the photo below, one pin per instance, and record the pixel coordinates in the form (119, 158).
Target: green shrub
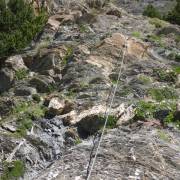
(164, 76)
(111, 122)
(158, 23)
(151, 11)
(136, 34)
(18, 25)
(68, 56)
(176, 69)
(174, 15)
(25, 113)
(147, 110)
(160, 94)
(21, 74)
(13, 170)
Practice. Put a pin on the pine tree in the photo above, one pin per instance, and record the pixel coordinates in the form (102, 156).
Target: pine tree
(18, 25)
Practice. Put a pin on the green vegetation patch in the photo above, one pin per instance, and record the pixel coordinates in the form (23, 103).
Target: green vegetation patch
(147, 110)
(163, 135)
(68, 56)
(83, 28)
(151, 11)
(21, 74)
(158, 23)
(111, 122)
(174, 15)
(25, 113)
(144, 79)
(171, 119)
(177, 69)
(19, 25)
(78, 141)
(160, 94)
(165, 76)
(156, 39)
(13, 170)
(136, 34)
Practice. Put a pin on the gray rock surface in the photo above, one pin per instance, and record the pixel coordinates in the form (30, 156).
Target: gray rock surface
(74, 73)
(6, 79)
(124, 154)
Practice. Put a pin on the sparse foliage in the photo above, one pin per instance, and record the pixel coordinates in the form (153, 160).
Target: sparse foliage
(152, 12)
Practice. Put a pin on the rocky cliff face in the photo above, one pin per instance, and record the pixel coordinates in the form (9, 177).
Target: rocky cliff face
(54, 96)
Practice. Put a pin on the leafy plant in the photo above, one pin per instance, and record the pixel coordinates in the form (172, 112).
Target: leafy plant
(78, 141)
(177, 69)
(158, 23)
(21, 74)
(146, 110)
(83, 28)
(151, 11)
(156, 39)
(160, 94)
(111, 122)
(174, 15)
(164, 136)
(136, 34)
(25, 114)
(68, 56)
(144, 79)
(165, 76)
(18, 25)
(13, 170)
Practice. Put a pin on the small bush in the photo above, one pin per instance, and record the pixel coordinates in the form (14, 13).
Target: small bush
(174, 15)
(164, 76)
(177, 69)
(156, 39)
(148, 110)
(18, 25)
(151, 11)
(25, 113)
(136, 34)
(21, 74)
(68, 56)
(158, 23)
(13, 170)
(160, 94)
(111, 122)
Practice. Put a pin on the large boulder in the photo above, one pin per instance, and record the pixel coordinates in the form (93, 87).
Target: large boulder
(6, 79)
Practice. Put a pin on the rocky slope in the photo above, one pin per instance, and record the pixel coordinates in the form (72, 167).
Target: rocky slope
(54, 96)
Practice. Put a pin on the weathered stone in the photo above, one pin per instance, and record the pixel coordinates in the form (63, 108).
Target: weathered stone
(43, 83)
(170, 29)
(9, 127)
(6, 79)
(15, 62)
(135, 47)
(177, 112)
(178, 81)
(56, 106)
(114, 11)
(6, 105)
(53, 23)
(25, 91)
(124, 153)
